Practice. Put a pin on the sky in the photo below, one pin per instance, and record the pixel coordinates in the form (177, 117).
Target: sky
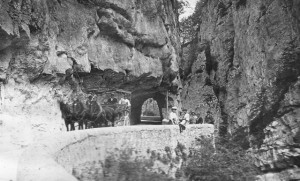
(190, 10)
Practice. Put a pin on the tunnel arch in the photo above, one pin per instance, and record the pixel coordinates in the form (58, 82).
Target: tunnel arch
(139, 97)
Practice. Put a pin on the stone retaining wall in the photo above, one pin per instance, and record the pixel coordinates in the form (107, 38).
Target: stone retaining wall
(111, 153)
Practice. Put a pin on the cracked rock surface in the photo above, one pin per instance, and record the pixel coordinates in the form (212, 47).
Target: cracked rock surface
(250, 57)
(106, 44)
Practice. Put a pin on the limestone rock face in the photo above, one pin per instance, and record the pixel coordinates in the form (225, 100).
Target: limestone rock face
(133, 38)
(250, 52)
(51, 50)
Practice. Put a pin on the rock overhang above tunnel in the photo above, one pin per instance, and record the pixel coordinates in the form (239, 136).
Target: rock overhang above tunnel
(84, 43)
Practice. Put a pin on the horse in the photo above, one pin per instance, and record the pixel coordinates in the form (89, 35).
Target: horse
(78, 111)
(67, 116)
(111, 113)
(94, 114)
(71, 113)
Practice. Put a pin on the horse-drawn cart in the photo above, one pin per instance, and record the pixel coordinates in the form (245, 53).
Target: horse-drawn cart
(93, 111)
(120, 111)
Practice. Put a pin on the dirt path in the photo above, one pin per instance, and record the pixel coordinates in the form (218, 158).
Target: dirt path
(9, 164)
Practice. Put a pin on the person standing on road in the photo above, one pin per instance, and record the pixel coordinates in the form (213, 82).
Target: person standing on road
(199, 120)
(184, 121)
(194, 118)
(125, 101)
(209, 118)
(126, 118)
(173, 116)
(186, 116)
(112, 99)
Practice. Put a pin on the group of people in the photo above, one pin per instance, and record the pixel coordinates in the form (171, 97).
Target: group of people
(123, 101)
(185, 118)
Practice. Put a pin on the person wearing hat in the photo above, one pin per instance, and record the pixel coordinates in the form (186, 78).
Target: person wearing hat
(173, 116)
(125, 101)
(209, 118)
(112, 99)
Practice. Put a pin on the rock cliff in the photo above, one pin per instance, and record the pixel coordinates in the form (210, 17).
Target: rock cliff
(244, 66)
(53, 50)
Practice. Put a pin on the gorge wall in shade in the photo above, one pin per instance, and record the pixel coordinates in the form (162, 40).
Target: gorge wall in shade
(244, 66)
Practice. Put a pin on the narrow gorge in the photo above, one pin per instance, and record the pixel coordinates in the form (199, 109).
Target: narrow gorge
(243, 64)
(238, 59)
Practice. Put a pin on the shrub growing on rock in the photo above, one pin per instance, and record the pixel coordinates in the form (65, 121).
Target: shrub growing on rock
(227, 161)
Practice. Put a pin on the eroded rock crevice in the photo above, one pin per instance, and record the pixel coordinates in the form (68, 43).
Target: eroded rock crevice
(247, 59)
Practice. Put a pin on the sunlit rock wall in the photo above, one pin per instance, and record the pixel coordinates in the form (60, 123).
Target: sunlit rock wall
(106, 44)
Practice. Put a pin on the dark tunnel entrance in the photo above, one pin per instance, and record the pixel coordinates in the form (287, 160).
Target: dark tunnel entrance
(140, 97)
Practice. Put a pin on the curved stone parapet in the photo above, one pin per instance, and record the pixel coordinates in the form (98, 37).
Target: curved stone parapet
(99, 154)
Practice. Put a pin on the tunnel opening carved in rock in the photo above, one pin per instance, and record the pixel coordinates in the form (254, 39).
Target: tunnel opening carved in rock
(140, 97)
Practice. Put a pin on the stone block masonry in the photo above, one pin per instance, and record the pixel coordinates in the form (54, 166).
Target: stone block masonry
(118, 153)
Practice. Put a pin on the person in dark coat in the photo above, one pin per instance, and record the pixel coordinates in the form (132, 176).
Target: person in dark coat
(209, 118)
(199, 120)
(112, 99)
(88, 103)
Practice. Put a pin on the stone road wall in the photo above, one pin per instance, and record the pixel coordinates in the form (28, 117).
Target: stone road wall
(111, 153)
